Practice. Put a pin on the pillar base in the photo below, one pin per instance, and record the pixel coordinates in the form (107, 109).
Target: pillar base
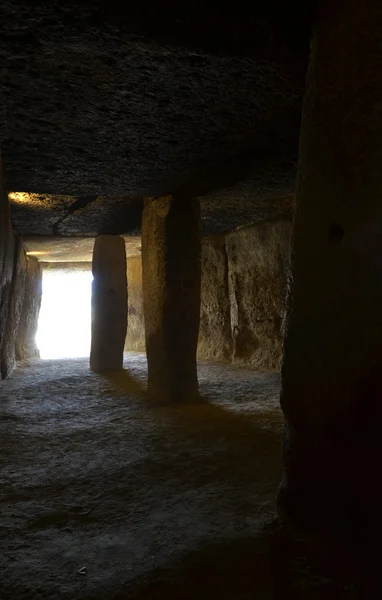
(162, 397)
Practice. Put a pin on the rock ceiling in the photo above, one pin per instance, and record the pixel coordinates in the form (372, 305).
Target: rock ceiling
(103, 105)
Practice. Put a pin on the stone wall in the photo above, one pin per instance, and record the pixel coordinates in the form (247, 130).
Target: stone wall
(7, 251)
(67, 267)
(244, 279)
(26, 347)
(20, 290)
(215, 340)
(258, 259)
(15, 305)
(135, 339)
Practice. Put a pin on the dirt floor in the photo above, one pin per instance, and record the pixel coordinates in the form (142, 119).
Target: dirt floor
(105, 496)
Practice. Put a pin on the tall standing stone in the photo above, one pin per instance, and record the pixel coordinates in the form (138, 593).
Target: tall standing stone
(171, 255)
(332, 371)
(109, 303)
(7, 253)
(16, 297)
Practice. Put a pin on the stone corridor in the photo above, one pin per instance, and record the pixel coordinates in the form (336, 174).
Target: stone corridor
(217, 170)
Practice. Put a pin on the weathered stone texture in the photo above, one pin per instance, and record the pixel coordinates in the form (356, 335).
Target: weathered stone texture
(135, 338)
(109, 303)
(15, 306)
(195, 115)
(26, 347)
(67, 267)
(7, 249)
(258, 259)
(215, 339)
(243, 277)
(171, 296)
(19, 295)
(332, 371)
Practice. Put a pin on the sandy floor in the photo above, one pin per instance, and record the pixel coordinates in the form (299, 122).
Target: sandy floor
(106, 496)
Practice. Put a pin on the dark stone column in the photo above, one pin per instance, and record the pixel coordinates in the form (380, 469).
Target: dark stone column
(15, 305)
(109, 303)
(332, 372)
(7, 253)
(171, 296)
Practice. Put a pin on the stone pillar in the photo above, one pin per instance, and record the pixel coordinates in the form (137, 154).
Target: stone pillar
(171, 296)
(332, 371)
(7, 253)
(109, 303)
(16, 298)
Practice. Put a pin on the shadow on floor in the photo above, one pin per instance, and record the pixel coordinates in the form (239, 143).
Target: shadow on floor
(253, 568)
(123, 382)
(237, 570)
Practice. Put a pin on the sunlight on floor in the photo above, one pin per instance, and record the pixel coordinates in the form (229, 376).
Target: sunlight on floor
(65, 317)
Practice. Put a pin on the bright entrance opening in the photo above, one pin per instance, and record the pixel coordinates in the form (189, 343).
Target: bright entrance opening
(64, 326)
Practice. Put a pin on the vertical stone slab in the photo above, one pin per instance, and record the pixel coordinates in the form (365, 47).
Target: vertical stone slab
(171, 296)
(258, 263)
(16, 296)
(135, 338)
(26, 347)
(109, 303)
(332, 371)
(215, 338)
(7, 249)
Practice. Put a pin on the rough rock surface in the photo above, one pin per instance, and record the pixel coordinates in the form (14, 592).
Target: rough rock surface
(243, 288)
(332, 385)
(37, 216)
(90, 108)
(16, 299)
(7, 249)
(63, 215)
(96, 476)
(222, 215)
(105, 102)
(171, 248)
(26, 347)
(64, 249)
(155, 502)
(258, 259)
(135, 338)
(215, 338)
(67, 267)
(20, 293)
(109, 304)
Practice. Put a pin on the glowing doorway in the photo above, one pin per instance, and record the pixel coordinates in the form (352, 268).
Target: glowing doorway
(64, 326)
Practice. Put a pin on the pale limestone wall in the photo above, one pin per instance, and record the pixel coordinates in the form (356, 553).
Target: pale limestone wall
(215, 331)
(215, 340)
(135, 339)
(258, 264)
(244, 278)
